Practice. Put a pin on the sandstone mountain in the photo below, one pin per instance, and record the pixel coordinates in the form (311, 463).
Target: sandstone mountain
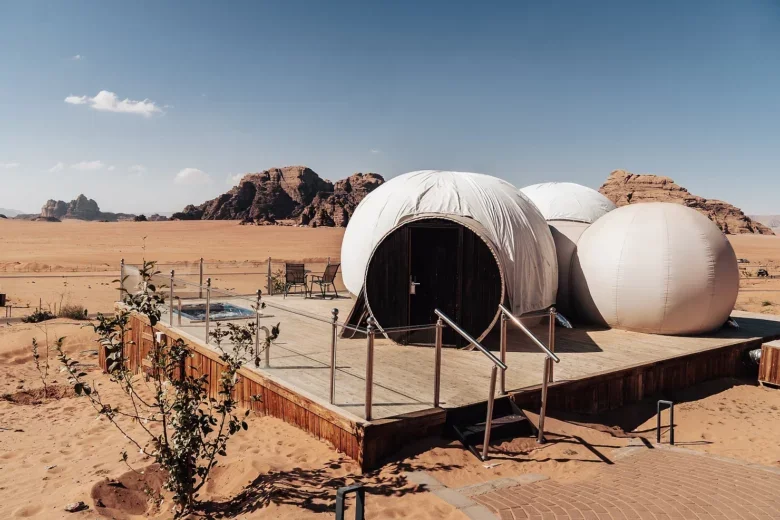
(81, 208)
(772, 221)
(292, 192)
(623, 187)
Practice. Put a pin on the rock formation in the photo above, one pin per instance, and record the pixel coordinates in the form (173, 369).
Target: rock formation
(623, 187)
(292, 192)
(81, 208)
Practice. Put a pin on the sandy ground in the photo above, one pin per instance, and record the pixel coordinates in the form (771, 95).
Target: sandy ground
(54, 452)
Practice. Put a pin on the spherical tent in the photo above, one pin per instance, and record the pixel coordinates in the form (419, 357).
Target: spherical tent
(455, 240)
(656, 268)
(568, 201)
(569, 209)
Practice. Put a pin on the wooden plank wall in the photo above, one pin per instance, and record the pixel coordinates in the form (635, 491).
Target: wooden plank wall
(769, 369)
(266, 397)
(610, 390)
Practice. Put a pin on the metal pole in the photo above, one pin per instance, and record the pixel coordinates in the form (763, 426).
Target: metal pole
(543, 410)
(122, 280)
(334, 334)
(179, 317)
(489, 419)
(170, 303)
(437, 364)
(200, 280)
(503, 352)
(369, 365)
(551, 341)
(257, 329)
(269, 287)
(208, 308)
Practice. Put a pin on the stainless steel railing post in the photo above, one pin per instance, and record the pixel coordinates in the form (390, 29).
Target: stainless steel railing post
(333, 337)
(369, 365)
(489, 419)
(551, 341)
(543, 408)
(200, 280)
(437, 364)
(170, 303)
(503, 352)
(257, 331)
(179, 318)
(208, 308)
(270, 287)
(122, 280)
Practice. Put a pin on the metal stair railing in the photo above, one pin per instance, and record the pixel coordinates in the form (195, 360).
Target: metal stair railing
(497, 363)
(547, 376)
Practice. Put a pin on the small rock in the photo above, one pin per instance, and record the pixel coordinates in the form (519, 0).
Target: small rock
(99, 503)
(51, 467)
(75, 507)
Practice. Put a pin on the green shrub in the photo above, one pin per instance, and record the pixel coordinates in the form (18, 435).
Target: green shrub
(38, 316)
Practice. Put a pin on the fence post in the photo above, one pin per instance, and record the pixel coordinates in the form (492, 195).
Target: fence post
(551, 341)
(208, 307)
(369, 366)
(334, 334)
(437, 364)
(200, 280)
(170, 306)
(270, 287)
(504, 319)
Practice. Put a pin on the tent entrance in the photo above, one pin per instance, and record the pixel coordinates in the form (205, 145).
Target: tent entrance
(456, 272)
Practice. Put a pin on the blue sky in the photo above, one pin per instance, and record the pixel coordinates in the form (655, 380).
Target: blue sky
(194, 93)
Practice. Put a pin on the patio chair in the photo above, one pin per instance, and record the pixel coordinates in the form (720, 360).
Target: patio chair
(328, 278)
(295, 276)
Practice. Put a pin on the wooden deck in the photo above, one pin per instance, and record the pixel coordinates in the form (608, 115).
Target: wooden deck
(606, 367)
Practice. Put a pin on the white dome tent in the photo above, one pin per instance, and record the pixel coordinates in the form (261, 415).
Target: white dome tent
(468, 242)
(569, 209)
(568, 201)
(656, 268)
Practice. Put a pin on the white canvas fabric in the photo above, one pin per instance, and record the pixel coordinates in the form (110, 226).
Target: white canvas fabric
(566, 234)
(503, 217)
(657, 268)
(568, 201)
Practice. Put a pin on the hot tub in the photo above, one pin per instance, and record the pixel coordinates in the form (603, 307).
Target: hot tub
(217, 312)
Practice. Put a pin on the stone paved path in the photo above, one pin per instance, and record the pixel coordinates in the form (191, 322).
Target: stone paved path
(651, 484)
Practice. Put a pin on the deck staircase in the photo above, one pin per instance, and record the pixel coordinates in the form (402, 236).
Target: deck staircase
(468, 424)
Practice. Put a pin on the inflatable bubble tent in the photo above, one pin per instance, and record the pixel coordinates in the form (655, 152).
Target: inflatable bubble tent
(657, 268)
(463, 242)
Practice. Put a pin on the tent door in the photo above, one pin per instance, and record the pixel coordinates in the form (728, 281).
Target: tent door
(435, 268)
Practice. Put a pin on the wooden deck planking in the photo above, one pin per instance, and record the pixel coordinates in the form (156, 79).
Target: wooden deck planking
(403, 375)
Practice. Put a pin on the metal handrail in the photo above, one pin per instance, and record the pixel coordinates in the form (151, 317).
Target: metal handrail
(492, 357)
(497, 363)
(547, 373)
(528, 333)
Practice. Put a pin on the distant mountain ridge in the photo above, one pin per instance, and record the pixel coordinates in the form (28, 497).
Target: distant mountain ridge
(10, 213)
(287, 193)
(623, 187)
(772, 221)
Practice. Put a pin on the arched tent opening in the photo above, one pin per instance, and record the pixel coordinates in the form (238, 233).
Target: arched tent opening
(434, 262)
(471, 241)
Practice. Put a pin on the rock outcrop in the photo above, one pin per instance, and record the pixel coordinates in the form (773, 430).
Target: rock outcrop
(292, 192)
(81, 208)
(623, 187)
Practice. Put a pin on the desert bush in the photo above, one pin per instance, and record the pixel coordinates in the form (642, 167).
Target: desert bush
(181, 427)
(140, 218)
(766, 303)
(278, 280)
(38, 316)
(73, 311)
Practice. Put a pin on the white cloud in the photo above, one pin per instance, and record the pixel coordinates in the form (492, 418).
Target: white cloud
(233, 180)
(77, 57)
(57, 167)
(87, 166)
(106, 101)
(111, 168)
(376, 150)
(137, 169)
(192, 176)
(9, 165)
